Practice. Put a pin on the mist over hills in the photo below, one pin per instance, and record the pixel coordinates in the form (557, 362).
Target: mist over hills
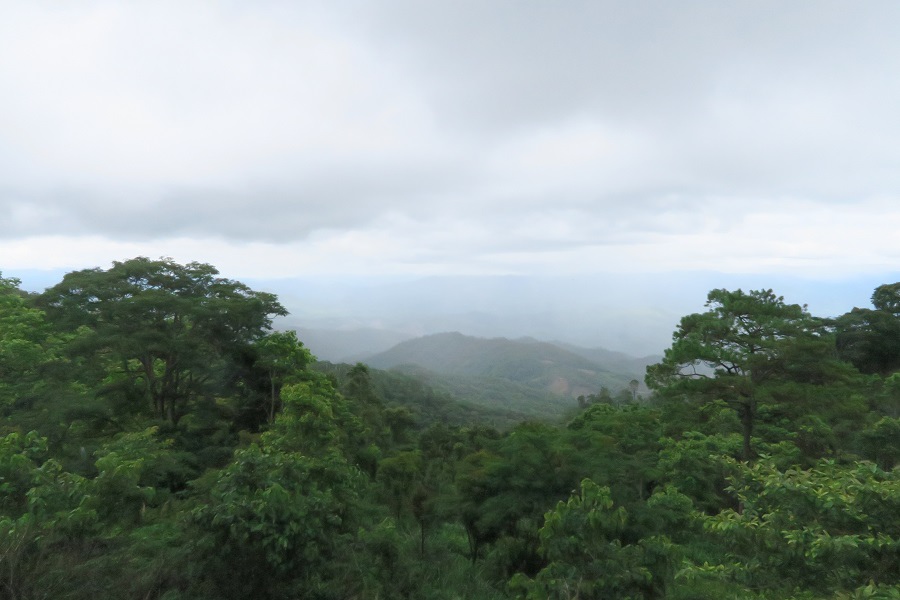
(535, 364)
(612, 360)
(510, 379)
(617, 312)
(349, 345)
(630, 313)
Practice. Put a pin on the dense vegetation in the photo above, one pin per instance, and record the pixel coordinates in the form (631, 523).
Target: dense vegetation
(161, 441)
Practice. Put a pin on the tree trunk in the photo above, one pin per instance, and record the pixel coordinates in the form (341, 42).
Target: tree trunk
(422, 538)
(746, 414)
(473, 542)
(272, 405)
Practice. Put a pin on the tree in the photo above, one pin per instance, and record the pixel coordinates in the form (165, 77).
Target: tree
(870, 338)
(828, 528)
(281, 354)
(365, 404)
(276, 522)
(735, 349)
(23, 347)
(617, 447)
(280, 518)
(593, 551)
(502, 493)
(698, 466)
(42, 516)
(881, 443)
(633, 387)
(171, 330)
(399, 476)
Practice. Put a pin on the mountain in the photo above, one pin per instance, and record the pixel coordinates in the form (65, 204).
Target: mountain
(433, 401)
(512, 400)
(537, 365)
(615, 361)
(604, 309)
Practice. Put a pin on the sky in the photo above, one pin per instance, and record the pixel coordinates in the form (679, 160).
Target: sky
(338, 148)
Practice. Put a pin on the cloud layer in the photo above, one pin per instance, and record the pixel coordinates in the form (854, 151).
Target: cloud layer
(391, 136)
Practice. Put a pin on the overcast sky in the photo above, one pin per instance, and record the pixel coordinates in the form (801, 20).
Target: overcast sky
(380, 137)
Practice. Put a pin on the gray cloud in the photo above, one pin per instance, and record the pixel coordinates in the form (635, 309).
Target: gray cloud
(752, 98)
(449, 132)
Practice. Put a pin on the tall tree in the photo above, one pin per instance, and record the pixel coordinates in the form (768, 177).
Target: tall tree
(171, 329)
(870, 338)
(737, 348)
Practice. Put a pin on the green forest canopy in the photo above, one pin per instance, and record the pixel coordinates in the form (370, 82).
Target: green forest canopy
(159, 440)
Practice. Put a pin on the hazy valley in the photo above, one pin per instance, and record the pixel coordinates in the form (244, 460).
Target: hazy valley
(528, 377)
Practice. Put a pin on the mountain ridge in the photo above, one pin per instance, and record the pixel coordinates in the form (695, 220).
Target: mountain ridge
(542, 365)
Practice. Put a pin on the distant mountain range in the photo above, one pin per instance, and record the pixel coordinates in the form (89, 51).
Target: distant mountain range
(563, 371)
(617, 362)
(524, 377)
(623, 312)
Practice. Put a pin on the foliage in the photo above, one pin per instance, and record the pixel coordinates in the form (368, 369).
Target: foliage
(870, 338)
(740, 351)
(698, 466)
(589, 555)
(282, 356)
(28, 350)
(168, 329)
(274, 518)
(617, 447)
(822, 529)
(160, 442)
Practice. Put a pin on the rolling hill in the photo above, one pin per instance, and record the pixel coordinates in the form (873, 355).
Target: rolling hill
(536, 365)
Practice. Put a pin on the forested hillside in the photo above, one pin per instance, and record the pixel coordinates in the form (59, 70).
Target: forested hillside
(429, 401)
(539, 365)
(161, 441)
